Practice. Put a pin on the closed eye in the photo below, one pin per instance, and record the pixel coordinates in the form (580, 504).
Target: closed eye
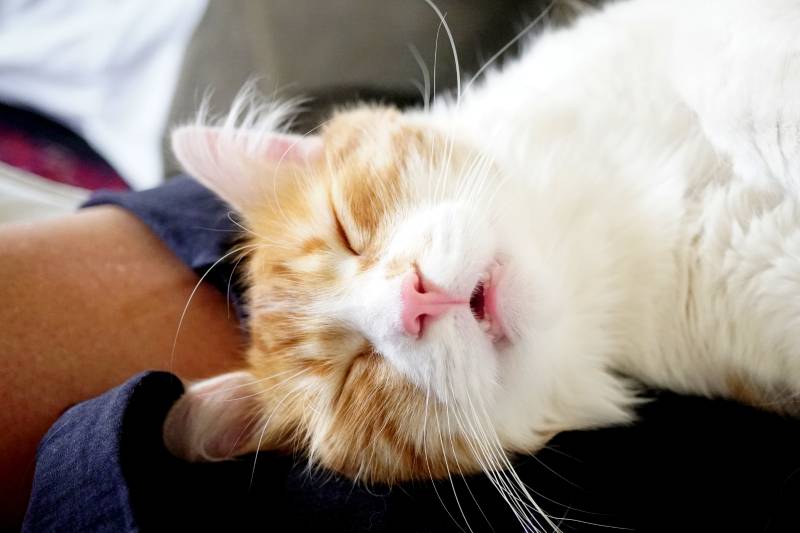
(341, 231)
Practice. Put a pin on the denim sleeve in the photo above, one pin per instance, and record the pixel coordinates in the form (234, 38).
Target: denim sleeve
(79, 482)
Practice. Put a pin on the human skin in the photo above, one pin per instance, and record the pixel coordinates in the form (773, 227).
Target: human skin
(88, 300)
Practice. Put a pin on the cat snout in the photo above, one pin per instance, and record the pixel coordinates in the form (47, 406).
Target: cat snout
(423, 302)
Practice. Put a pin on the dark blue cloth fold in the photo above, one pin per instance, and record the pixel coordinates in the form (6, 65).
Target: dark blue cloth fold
(80, 482)
(689, 465)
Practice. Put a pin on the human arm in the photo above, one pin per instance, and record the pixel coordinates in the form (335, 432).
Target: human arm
(87, 301)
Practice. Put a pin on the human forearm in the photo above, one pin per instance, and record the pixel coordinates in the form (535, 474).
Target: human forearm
(87, 301)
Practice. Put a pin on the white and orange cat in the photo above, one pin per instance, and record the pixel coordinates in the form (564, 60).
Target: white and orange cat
(432, 291)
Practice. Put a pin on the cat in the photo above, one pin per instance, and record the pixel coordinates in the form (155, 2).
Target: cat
(433, 291)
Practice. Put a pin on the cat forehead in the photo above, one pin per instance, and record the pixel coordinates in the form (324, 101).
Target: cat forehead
(369, 180)
(377, 138)
(378, 165)
(382, 152)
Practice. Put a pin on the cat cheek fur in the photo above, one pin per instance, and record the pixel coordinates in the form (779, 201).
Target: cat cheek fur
(377, 414)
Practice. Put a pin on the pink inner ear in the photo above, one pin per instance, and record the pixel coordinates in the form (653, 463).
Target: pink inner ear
(213, 420)
(293, 148)
(220, 158)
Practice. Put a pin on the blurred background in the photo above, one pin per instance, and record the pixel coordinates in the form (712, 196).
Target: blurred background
(90, 89)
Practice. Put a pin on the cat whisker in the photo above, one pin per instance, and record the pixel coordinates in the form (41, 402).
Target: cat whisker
(458, 466)
(517, 481)
(496, 475)
(448, 473)
(426, 77)
(242, 227)
(421, 90)
(476, 179)
(217, 230)
(265, 241)
(228, 289)
(427, 458)
(263, 391)
(498, 187)
(248, 384)
(588, 523)
(493, 468)
(191, 297)
(470, 443)
(509, 44)
(438, 180)
(438, 170)
(443, 22)
(444, 170)
(261, 238)
(436, 57)
(250, 421)
(264, 430)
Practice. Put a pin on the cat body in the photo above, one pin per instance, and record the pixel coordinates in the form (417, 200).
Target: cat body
(434, 290)
(658, 148)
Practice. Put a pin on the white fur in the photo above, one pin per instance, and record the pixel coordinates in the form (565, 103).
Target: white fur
(652, 153)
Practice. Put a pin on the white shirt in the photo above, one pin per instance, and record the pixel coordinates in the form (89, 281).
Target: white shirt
(105, 68)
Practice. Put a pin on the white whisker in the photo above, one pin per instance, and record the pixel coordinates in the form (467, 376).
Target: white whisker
(426, 77)
(509, 44)
(452, 46)
(194, 291)
(428, 465)
(264, 430)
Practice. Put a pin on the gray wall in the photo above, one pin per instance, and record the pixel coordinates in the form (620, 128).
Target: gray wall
(302, 46)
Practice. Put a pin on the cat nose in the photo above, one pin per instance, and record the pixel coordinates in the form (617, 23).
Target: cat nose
(420, 303)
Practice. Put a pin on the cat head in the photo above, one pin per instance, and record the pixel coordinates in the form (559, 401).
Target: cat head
(401, 327)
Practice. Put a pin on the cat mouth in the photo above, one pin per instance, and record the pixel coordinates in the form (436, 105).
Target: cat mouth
(484, 304)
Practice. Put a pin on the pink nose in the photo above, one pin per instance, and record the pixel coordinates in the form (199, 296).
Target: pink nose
(420, 304)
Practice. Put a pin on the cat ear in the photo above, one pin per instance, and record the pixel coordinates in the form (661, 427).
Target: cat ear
(236, 164)
(214, 420)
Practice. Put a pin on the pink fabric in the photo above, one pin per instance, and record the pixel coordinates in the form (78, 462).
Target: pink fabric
(56, 162)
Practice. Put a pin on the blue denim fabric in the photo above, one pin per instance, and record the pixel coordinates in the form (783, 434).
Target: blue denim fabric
(689, 465)
(80, 482)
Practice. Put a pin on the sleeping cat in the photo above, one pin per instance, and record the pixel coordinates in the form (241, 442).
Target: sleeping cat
(435, 290)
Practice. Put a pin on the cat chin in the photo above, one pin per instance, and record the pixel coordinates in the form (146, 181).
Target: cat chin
(455, 360)
(555, 375)
(542, 395)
